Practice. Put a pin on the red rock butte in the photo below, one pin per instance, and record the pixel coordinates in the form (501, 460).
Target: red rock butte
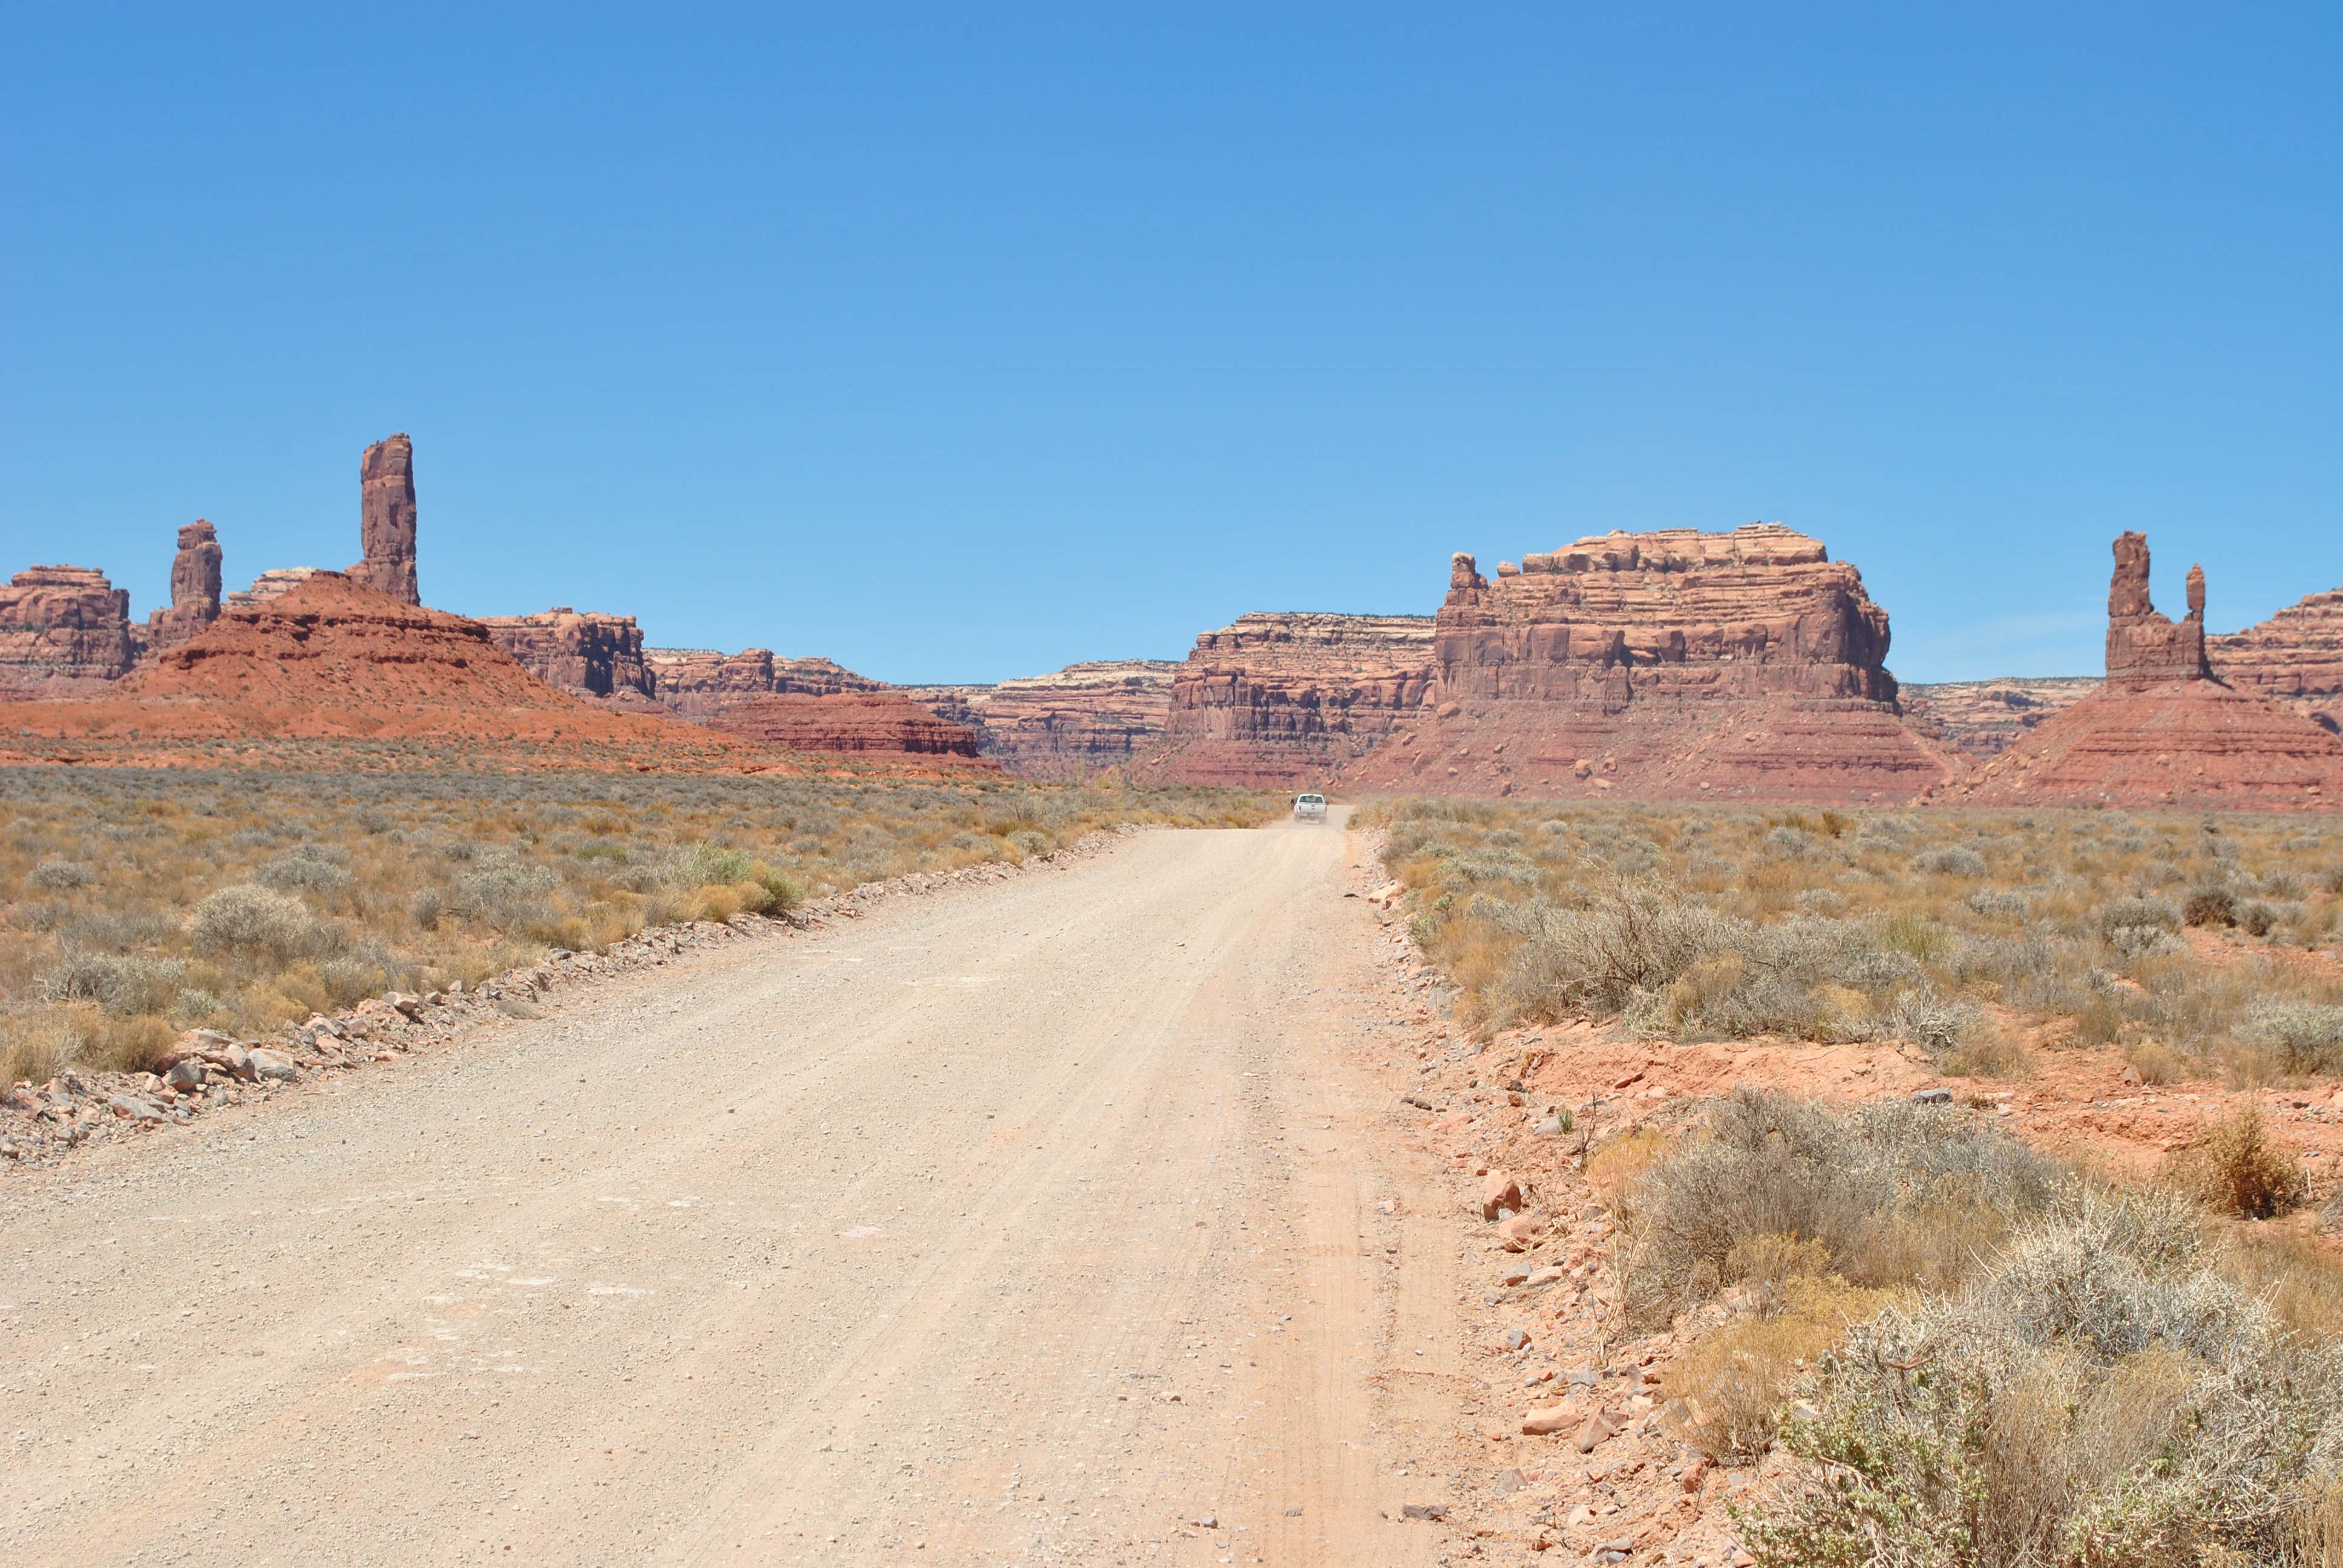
(1078, 722)
(64, 631)
(1672, 665)
(2162, 730)
(2294, 658)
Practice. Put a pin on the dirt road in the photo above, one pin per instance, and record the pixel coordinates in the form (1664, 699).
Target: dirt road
(1032, 1222)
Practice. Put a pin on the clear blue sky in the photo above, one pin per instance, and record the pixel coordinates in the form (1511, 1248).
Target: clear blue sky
(963, 342)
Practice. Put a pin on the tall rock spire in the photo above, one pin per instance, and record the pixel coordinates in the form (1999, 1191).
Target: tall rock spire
(194, 588)
(387, 519)
(2144, 646)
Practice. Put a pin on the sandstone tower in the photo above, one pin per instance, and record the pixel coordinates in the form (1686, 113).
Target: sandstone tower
(387, 519)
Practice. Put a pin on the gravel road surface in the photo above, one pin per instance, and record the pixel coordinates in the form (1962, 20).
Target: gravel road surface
(1037, 1222)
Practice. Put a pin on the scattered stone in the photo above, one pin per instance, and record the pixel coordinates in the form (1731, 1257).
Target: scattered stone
(1932, 1096)
(1545, 1420)
(1499, 1190)
(130, 1108)
(1519, 1231)
(1424, 1510)
(273, 1066)
(1600, 1428)
(185, 1075)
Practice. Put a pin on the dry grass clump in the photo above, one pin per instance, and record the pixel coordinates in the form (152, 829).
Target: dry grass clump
(1736, 1380)
(135, 904)
(2099, 1394)
(1888, 1195)
(2235, 1167)
(1936, 927)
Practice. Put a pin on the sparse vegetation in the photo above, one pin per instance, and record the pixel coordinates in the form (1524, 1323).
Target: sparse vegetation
(1955, 930)
(137, 903)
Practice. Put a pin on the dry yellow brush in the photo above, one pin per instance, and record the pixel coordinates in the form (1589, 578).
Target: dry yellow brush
(135, 904)
(1966, 933)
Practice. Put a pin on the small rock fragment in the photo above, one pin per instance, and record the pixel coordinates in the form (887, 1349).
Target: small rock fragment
(1424, 1510)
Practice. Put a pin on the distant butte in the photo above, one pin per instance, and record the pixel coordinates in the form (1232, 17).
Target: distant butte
(2163, 730)
(1673, 665)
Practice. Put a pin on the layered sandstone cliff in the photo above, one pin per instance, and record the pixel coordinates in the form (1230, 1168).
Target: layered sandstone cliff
(1986, 717)
(1673, 665)
(1072, 723)
(2162, 730)
(880, 723)
(194, 588)
(1283, 700)
(700, 683)
(583, 654)
(386, 520)
(2295, 658)
(64, 631)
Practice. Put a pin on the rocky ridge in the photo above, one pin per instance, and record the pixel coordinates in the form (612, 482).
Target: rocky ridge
(64, 631)
(586, 655)
(1986, 717)
(1072, 723)
(2294, 658)
(1673, 665)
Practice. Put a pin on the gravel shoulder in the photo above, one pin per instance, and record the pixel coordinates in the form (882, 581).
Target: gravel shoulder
(1051, 1219)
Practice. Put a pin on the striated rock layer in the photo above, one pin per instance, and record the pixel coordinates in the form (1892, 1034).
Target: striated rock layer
(1673, 665)
(1073, 723)
(857, 723)
(386, 520)
(64, 631)
(1285, 700)
(586, 655)
(2295, 658)
(1986, 717)
(2163, 731)
(700, 683)
(194, 588)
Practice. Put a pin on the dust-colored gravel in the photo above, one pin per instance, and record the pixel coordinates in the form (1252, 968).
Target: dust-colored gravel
(1037, 1222)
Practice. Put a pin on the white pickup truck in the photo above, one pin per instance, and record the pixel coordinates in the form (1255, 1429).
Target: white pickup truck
(1309, 808)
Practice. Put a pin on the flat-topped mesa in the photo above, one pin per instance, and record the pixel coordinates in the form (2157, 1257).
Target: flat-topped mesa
(194, 588)
(585, 654)
(1671, 665)
(700, 683)
(2294, 658)
(386, 520)
(1761, 610)
(1072, 723)
(64, 631)
(1281, 700)
(2143, 647)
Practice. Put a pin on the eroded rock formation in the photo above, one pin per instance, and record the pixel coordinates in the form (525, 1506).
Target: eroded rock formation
(64, 631)
(2145, 647)
(194, 588)
(1986, 717)
(2162, 730)
(585, 654)
(2294, 658)
(386, 520)
(1072, 723)
(1287, 699)
(1667, 665)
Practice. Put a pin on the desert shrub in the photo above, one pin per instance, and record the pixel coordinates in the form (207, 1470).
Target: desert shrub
(2138, 926)
(1952, 860)
(1936, 1023)
(2236, 1167)
(254, 921)
(1636, 935)
(1999, 901)
(2262, 916)
(1895, 1193)
(506, 893)
(118, 983)
(56, 876)
(308, 868)
(2209, 905)
(2097, 1396)
(1791, 843)
(2308, 1036)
